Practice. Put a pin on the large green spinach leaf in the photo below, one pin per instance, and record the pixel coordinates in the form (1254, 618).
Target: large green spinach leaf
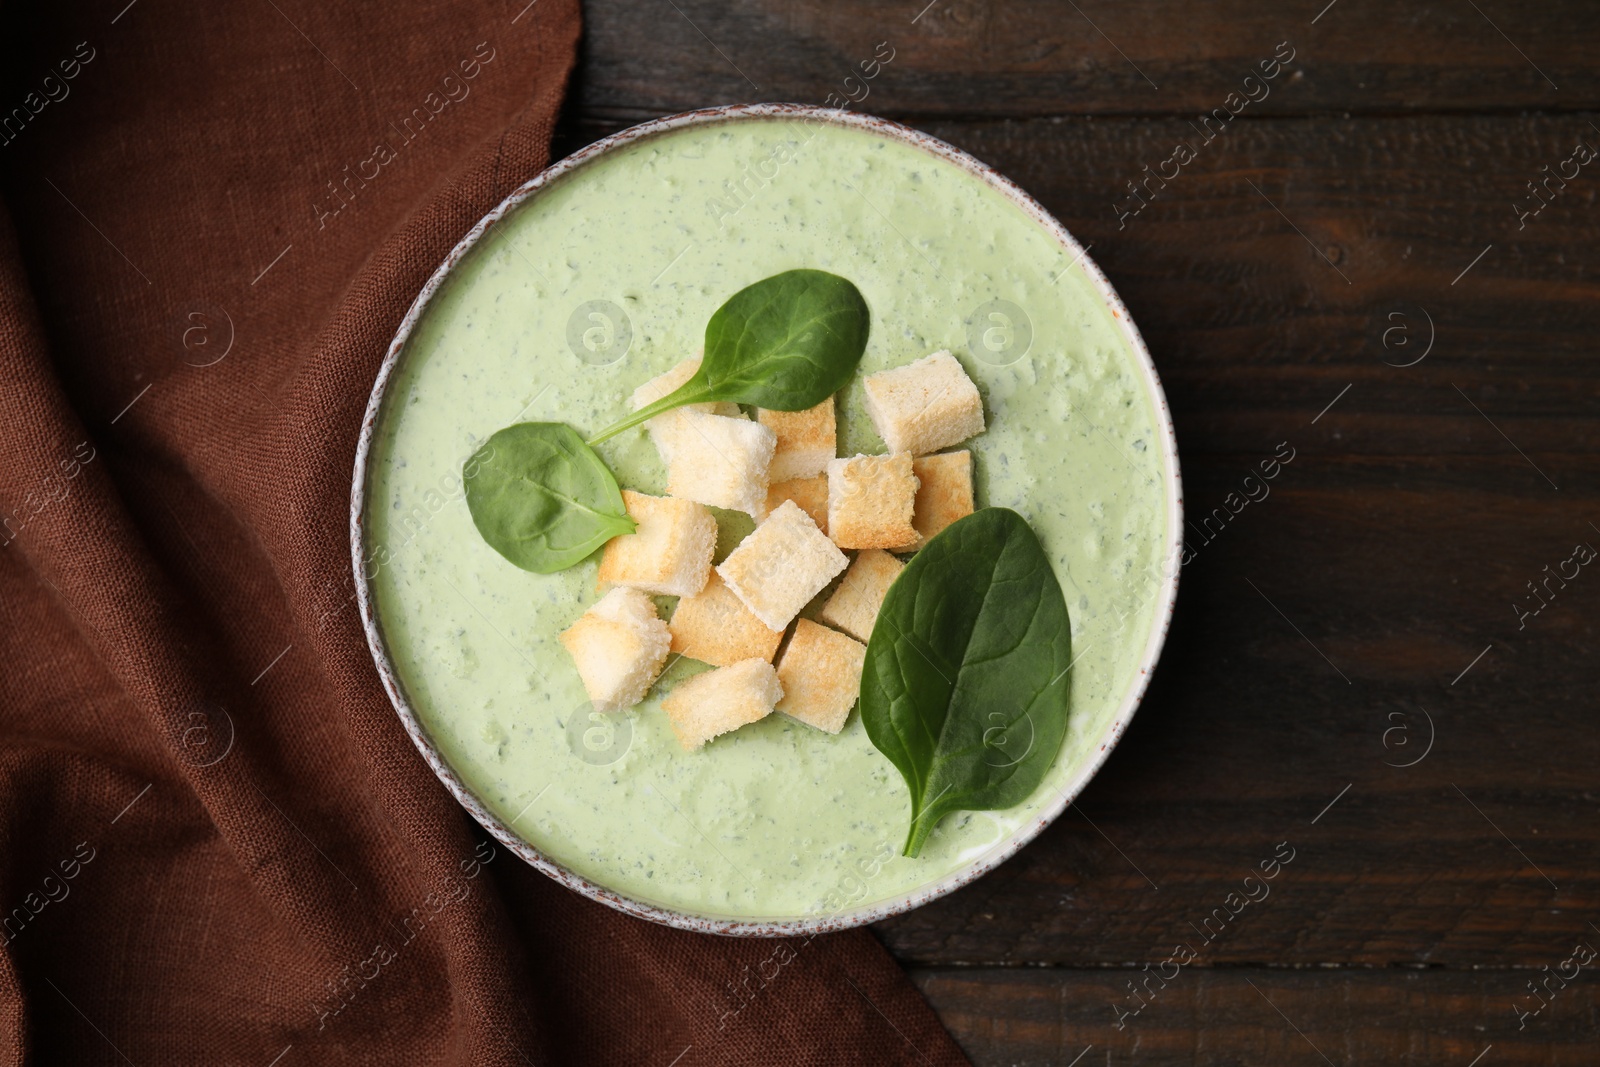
(787, 342)
(965, 684)
(541, 497)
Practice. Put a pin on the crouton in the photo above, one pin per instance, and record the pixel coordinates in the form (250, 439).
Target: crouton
(782, 564)
(810, 493)
(715, 627)
(944, 492)
(853, 607)
(619, 646)
(668, 554)
(807, 440)
(821, 676)
(721, 700)
(721, 461)
(924, 406)
(663, 428)
(871, 500)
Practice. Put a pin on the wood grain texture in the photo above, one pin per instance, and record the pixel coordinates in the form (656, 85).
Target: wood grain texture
(1117, 57)
(1365, 212)
(1282, 1018)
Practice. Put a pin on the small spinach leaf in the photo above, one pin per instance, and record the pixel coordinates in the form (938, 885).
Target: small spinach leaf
(787, 342)
(541, 497)
(965, 684)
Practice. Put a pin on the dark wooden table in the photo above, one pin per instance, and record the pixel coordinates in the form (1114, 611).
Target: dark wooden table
(1349, 671)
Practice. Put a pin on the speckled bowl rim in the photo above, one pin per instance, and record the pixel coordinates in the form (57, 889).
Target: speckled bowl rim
(904, 902)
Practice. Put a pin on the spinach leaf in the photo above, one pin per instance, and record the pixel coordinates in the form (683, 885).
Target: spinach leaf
(787, 342)
(541, 497)
(965, 684)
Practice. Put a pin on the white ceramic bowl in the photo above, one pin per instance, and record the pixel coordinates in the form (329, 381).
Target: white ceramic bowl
(874, 911)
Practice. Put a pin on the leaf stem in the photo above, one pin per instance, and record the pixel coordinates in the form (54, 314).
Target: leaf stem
(693, 391)
(917, 833)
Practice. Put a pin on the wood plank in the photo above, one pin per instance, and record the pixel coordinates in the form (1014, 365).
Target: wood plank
(980, 58)
(1212, 1018)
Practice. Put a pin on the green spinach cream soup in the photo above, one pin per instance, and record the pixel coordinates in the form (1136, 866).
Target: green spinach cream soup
(605, 279)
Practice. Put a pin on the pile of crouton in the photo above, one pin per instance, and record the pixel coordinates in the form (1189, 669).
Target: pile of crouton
(810, 508)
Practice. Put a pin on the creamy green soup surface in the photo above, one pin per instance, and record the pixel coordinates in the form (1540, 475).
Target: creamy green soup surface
(776, 820)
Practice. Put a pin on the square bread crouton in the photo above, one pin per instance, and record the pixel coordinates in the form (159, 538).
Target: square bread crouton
(944, 492)
(871, 500)
(807, 440)
(721, 461)
(619, 646)
(782, 564)
(924, 406)
(810, 493)
(821, 676)
(715, 627)
(662, 428)
(853, 607)
(720, 700)
(670, 552)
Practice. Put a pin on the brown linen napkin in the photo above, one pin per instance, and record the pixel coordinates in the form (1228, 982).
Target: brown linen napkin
(217, 845)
